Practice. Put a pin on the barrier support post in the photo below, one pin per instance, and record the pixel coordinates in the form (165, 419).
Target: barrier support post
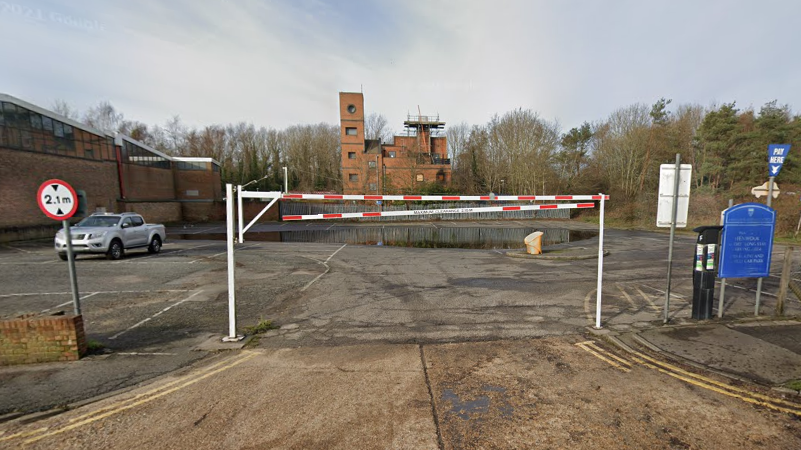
(229, 215)
(600, 265)
(240, 213)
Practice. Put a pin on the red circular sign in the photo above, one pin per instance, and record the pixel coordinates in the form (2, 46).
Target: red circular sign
(57, 199)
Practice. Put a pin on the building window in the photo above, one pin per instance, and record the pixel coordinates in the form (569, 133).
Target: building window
(351, 131)
(391, 154)
(353, 177)
(419, 177)
(352, 109)
(351, 155)
(89, 153)
(188, 165)
(371, 164)
(373, 187)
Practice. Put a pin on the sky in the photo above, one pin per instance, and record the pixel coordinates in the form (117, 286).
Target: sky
(281, 63)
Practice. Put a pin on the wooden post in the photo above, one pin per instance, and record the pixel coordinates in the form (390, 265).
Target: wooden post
(785, 280)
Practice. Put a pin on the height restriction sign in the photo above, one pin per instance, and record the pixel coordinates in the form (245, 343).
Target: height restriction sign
(57, 199)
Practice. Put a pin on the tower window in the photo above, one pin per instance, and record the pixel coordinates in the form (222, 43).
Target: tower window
(351, 155)
(353, 177)
(351, 131)
(351, 109)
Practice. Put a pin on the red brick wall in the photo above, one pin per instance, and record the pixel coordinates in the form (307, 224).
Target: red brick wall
(206, 182)
(148, 183)
(21, 174)
(41, 339)
(155, 212)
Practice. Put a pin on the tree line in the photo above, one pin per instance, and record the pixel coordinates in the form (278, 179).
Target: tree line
(517, 152)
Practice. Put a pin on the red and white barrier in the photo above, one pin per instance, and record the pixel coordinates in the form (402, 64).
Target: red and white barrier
(500, 198)
(420, 212)
(276, 195)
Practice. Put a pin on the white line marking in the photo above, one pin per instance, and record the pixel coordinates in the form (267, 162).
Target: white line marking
(128, 261)
(220, 254)
(17, 249)
(153, 316)
(332, 226)
(325, 263)
(68, 303)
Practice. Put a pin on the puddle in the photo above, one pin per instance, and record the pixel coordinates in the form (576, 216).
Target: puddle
(480, 405)
(419, 237)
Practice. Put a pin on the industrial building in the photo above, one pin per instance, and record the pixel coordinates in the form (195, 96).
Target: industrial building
(116, 172)
(409, 162)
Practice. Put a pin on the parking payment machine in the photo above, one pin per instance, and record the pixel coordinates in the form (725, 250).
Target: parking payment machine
(705, 267)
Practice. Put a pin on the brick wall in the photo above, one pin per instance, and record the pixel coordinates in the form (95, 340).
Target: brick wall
(202, 184)
(154, 212)
(22, 172)
(29, 340)
(148, 183)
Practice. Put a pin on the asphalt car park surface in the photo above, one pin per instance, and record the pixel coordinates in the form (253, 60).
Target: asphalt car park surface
(151, 313)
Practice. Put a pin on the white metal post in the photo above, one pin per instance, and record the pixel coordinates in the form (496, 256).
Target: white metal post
(240, 214)
(600, 265)
(229, 214)
(286, 182)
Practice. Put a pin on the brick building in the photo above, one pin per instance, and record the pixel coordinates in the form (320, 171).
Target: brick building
(410, 161)
(117, 173)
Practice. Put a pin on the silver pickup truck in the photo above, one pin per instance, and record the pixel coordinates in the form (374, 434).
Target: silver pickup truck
(111, 234)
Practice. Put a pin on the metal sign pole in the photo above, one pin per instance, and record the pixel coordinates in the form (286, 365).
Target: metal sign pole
(723, 280)
(672, 234)
(759, 280)
(76, 302)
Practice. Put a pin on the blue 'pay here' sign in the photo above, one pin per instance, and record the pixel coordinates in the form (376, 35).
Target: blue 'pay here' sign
(776, 155)
(747, 241)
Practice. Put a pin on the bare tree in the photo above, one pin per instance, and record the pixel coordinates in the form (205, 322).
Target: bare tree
(458, 136)
(104, 117)
(62, 107)
(377, 127)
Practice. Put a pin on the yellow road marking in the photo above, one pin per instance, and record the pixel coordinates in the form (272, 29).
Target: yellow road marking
(154, 390)
(647, 298)
(746, 398)
(626, 295)
(602, 357)
(745, 395)
(587, 306)
(608, 353)
(714, 382)
(142, 401)
(22, 434)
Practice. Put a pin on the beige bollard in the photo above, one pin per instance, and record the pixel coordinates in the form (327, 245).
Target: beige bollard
(534, 243)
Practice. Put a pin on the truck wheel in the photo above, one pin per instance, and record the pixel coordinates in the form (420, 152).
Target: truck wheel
(115, 250)
(62, 256)
(155, 245)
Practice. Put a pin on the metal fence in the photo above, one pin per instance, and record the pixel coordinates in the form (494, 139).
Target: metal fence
(304, 208)
(428, 237)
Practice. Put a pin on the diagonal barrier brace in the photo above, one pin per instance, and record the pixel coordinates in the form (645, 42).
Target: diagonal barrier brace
(277, 195)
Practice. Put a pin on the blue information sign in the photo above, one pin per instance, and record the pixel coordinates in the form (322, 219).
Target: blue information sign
(776, 155)
(747, 241)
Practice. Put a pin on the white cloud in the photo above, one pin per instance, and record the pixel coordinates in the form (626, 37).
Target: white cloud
(282, 63)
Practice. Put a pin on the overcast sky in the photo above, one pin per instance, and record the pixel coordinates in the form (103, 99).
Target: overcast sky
(278, 63)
